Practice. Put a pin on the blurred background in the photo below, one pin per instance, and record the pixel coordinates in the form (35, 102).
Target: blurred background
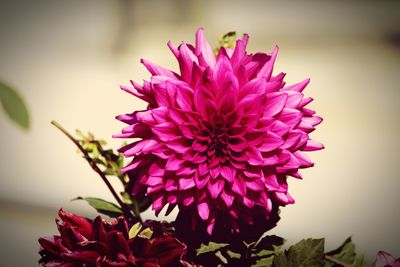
(68, 58)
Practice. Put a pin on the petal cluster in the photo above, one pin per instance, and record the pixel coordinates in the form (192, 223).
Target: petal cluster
(221, 136)
(102, 244)
(384, 259)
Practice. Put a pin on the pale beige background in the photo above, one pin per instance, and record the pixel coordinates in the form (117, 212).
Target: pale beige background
(68, 58)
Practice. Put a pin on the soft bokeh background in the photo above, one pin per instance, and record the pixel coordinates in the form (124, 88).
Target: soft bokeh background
(68, 58)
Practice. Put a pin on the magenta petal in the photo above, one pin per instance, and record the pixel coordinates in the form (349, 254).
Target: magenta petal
(204, 48)
(275, 104)
(271, 142)
(185, 184)
(313, 145)
(215, 188)
(158, 70)
(203, 210)
(266, 70)
(298, 87)
(228, 173)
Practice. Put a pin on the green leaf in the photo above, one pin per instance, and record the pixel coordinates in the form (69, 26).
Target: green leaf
(146, 233)
(228, 40)
(14, 106)
(211, 246)
(306, 253)
(346, 252)
(134, 230)
(264, 262)
(102, 206)
(233, 255)
(359, 262)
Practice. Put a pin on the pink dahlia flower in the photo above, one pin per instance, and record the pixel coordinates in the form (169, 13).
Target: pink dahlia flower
(384, 259)
(221, 136)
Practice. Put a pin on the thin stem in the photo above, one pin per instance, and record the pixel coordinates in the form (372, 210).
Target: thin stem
(126, 210)
(336, 261)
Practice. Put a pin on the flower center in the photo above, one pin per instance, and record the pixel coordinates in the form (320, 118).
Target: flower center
(217, 142)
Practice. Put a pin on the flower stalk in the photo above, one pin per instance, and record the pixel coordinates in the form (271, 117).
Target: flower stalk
(125, 209)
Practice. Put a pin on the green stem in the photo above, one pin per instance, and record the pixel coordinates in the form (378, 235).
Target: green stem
(126, 210)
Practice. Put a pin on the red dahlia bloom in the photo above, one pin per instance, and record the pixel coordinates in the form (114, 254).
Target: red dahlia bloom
(221, 136)
(102, 244)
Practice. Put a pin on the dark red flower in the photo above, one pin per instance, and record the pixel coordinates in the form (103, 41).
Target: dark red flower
(99, 243)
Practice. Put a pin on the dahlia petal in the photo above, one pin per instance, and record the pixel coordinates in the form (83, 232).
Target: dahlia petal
(240, 145)
(275, 103)
(271, 183)
(228, 173)
(256, 86)
(203, 48)
(314, 121)
(248, 202)
(215, 172)
(256, 185)
(266, 70)
(171, 185)
(303, 159)
(271, 142)
(158, 70)
(239, 187)
(227, 198)
(255, 157)
(272, 87)
(185, 171)
(173, 163)
(294, 99)
(173, 49)
(298, 87)
(158, 203)
(284, 198)
(203, 210)
(215, 188)
(139, 147)
(279, 128)
(154, 181)
(185, 184)
(186, 60)
(177, 146)
(271, 160)
(210, 226)
(313, 145)
(199, 147)
(305, 102)
(189, 200)
(292, 139)
(291, 117)
(201, 182)
(239, 52)
(253, 173)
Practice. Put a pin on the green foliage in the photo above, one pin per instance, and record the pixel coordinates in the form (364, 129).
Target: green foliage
(228, 40)
(210, 247)
(111, 162)
(306, 253)
(310, 252)
(134, 230)
(256, 254)
(146, 233)
(102, 206)
(14, 106)
(346, 253)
